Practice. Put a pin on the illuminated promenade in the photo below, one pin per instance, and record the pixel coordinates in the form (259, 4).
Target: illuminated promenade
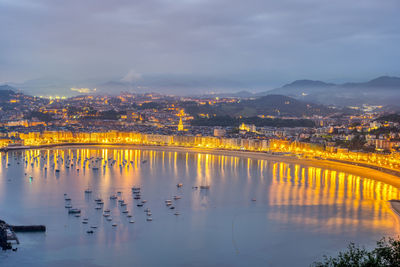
(370, 164)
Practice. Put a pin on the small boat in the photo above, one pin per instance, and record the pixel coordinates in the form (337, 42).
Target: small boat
(77, 215)
(149, 219)
(93, 226)
(140, 205)
(129, 216)
(204, 187)
(74, 211)
(109, 219)
(177, 197)
(253, 199)
(68, 206)
(131, 221)
(98, 208)
(179, 185)
(144, 201)
(107, 210)
(114, 225)
(88, 191)
(123, 204)
(67, 199)
(85, 222)
(98, 200)
(57, 170)
(172, 207)
(177, 213)
(168, 204)
(148, 214)
(125, 211)
(146, 210)
(106, 215)
(168, 201)
(137, 197)
(90, 231)
(113, 197)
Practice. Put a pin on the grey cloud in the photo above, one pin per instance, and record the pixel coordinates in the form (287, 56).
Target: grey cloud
(260, 42)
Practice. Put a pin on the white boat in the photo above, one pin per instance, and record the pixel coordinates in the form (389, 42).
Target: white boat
(131, 221)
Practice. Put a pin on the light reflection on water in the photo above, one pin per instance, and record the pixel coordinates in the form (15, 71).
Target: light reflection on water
(300, 212)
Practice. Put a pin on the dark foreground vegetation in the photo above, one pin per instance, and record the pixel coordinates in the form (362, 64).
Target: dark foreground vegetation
(386, 253)
(226, 121)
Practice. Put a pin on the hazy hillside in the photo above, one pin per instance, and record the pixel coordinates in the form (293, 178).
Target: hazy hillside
(6, 93)
(273, 105)
(380, 91)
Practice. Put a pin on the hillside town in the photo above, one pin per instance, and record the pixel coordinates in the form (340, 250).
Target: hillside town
(366, 133)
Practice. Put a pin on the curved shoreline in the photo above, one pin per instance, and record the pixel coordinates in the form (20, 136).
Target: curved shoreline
(356, 169)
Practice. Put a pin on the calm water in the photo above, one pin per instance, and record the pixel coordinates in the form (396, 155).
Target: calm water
(300, 212)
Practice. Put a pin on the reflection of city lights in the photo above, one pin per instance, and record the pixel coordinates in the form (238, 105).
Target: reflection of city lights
(282, 147)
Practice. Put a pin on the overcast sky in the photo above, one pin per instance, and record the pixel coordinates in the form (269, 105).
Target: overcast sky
(269, 42)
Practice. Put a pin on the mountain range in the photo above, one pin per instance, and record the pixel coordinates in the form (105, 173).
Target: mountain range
(384, 90)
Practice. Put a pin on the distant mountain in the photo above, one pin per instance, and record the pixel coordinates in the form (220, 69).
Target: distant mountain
(6, 92)
(307, 84)
(6, 87)
(383, 90)
(380, 82)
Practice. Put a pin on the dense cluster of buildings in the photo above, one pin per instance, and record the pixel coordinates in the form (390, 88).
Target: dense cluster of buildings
(165, 120)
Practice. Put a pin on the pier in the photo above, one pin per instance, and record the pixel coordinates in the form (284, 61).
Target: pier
(7, 233)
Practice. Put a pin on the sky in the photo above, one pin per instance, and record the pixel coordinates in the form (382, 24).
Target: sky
(207, 44)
